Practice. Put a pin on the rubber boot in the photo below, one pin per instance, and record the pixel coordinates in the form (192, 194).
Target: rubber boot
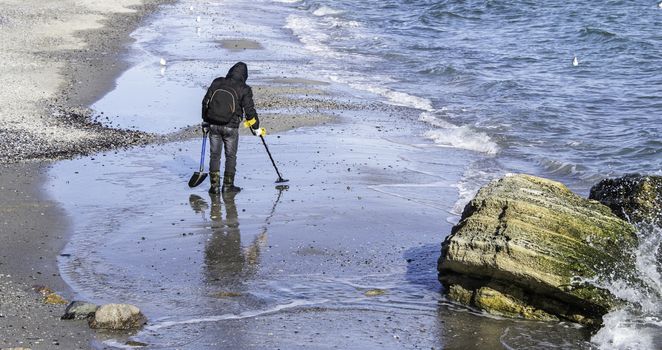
(215, 180)
(228, 184)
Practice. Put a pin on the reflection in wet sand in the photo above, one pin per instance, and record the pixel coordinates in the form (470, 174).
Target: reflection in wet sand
(227, 263)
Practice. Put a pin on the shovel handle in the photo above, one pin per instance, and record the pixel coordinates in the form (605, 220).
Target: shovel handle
(204, 147)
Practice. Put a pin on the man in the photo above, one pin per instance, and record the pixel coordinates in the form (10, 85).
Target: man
(224, 104)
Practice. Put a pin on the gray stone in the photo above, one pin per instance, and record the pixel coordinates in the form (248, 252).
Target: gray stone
(636, 198)
(118, 317)
(524, 246)
(79, 310)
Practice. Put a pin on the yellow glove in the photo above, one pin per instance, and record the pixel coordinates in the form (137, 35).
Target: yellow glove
(249, 123)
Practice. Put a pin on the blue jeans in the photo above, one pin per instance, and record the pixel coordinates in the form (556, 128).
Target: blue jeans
(218, 137)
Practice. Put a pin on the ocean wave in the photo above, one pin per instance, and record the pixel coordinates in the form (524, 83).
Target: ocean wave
(315, 33)
(501, 88)
(398, 98)
(588, 31)
(327, 11)
(287, 1)
(448, 14)
(230, 316)
(337, 23)
(444, 70)
(446, 134)
(458, 10)
(309, 35)
(557, 167)
(476, 175)
(637, 325)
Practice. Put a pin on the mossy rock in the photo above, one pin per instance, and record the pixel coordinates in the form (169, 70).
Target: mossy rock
(523, 246)
(55, 299)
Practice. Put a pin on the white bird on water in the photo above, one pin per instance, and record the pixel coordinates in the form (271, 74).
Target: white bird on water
(197, 19)
(659, 5)
(575, 61)
(163, 61)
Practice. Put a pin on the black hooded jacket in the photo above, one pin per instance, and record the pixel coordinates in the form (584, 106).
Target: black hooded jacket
(236, 81)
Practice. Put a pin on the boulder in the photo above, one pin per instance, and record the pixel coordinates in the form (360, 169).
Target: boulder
(526, 247)
(79, 310)
(118, 317)
(635, 198)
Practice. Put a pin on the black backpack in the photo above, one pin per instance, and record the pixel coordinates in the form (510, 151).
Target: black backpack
(222, 105)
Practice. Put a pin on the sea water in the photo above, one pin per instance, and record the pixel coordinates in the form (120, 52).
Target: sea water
(492, 81)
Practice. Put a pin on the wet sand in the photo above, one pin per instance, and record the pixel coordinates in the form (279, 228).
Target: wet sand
(345, 257)
(240, 44)
(33, 232)
(55, 73)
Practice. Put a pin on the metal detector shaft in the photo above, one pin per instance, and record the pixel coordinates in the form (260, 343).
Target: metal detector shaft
(280, 178)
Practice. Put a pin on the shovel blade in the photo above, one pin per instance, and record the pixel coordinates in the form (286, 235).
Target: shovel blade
(196, 179)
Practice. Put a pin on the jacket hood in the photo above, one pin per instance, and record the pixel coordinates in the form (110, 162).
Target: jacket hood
(238, 72)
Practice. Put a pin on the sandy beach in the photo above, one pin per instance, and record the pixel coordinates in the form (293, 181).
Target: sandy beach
(56, 57)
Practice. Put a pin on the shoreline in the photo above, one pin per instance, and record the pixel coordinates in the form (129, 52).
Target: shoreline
(79, 53)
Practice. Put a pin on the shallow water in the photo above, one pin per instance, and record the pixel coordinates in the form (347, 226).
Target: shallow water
(272, 268)
(480, 89)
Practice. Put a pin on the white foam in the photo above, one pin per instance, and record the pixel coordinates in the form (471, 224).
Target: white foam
(338, 23)
(620, 332)
(396, 98)
(308, 33)
(327, 11)
(287, 1)
(464, 137)
(314, 34)
(466, 192)
(243, 315)
(475, 176)
(434, 121)
(116, 344)
(638, 325)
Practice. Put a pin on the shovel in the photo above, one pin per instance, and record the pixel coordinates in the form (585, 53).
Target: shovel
(200, 176)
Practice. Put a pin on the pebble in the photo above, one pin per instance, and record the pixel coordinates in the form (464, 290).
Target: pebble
(19, 146)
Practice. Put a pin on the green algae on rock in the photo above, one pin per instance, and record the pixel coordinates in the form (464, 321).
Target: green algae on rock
(525, 247)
